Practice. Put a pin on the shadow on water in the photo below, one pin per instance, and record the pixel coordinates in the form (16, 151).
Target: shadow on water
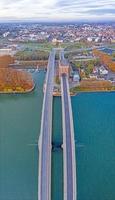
(56, 146)
(57, 153)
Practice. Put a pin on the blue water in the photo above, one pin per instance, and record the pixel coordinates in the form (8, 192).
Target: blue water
(20, 117)
(57, 155)
(94, 120)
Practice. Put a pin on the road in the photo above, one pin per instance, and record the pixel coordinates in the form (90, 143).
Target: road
(70, 186)
(68, 143)
(44, 179)
(44, 143)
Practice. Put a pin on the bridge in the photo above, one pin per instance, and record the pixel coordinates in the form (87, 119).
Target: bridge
(45, 140)
(68, 139)
(44, 181)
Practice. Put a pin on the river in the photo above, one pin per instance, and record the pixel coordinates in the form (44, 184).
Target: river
(94, 120)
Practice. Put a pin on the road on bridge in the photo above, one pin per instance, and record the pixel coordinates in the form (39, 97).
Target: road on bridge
(44, 183)
(68, 143)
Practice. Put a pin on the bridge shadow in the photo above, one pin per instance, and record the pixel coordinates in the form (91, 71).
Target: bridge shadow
(56, 146)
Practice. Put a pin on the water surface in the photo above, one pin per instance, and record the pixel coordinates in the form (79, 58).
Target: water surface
(94, 121)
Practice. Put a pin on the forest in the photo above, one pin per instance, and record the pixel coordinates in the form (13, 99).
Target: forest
(12, 80)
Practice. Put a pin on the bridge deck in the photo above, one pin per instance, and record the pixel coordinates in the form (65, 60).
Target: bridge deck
(44, 182)
(68, 143)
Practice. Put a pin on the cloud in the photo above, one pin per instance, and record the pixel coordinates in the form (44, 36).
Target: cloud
(102, 11)
(57, 9)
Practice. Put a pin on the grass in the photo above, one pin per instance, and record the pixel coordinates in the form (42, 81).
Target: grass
(49, 45)
(37, 46)
(89, 89)
(74, 46)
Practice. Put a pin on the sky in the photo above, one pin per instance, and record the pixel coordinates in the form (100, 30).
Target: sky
(57, 10)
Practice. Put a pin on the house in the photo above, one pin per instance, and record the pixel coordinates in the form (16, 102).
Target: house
(76, 77)
(103, 71)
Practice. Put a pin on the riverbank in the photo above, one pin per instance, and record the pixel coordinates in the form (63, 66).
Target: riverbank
(76, 91)
(18, 92)
(55, 94)
(81, 89)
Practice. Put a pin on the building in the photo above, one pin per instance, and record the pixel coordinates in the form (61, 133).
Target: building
(89, 39)
(103, 71)
(55, 41)
(64, 67)
(92, 76)
(4, 52)
(76, 77)
(113, 41)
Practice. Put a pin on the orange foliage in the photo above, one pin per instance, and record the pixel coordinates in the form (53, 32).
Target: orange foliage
(15, 81)
(105, 59)
(95, 85)
(12, 80)
(6, 60)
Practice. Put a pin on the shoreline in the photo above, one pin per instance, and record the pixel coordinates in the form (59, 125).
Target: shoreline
(98, 91)
(57, 94)
(20, 92)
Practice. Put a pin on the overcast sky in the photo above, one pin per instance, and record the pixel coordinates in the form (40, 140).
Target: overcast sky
(56, 10)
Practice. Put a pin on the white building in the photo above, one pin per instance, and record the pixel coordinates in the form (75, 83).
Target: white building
(5, 52)
(56, 41)
(103, 71)
(6, 34)
(97, 39)
(76, 77)
(89, 39)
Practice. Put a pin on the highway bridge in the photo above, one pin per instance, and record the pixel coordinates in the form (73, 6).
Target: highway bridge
(68, 143)
(45, 140)
(44, 177)
(69, 159)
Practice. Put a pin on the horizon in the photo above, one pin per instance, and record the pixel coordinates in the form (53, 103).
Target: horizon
(58, 22)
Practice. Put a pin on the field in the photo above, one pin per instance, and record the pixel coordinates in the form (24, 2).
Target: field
(36, 46)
